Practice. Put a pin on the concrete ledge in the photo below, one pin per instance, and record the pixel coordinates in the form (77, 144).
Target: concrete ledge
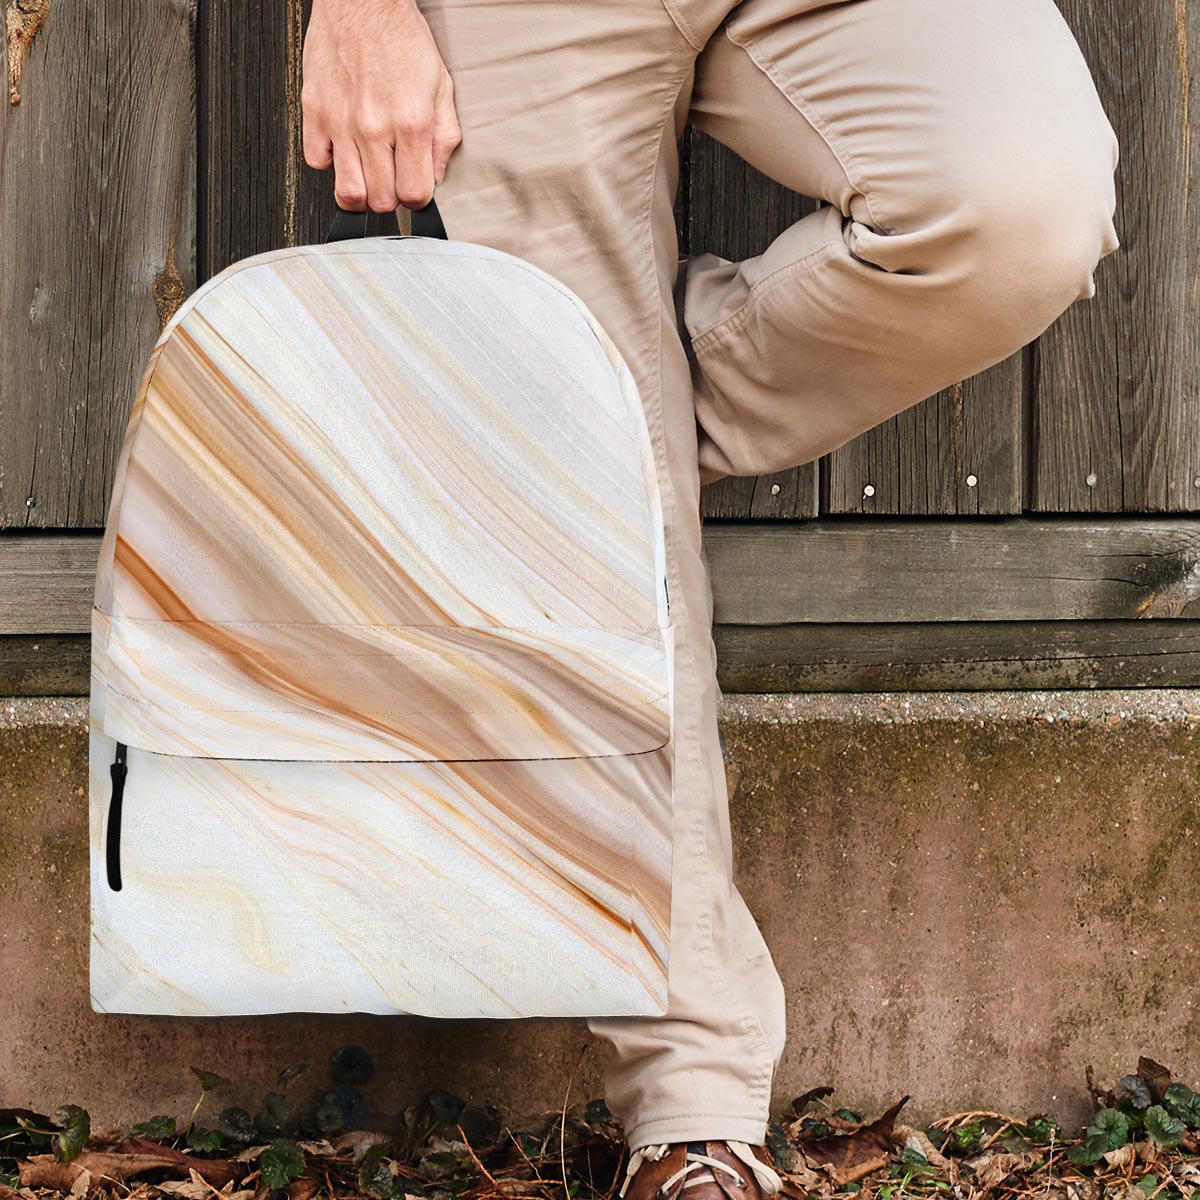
(970, 897)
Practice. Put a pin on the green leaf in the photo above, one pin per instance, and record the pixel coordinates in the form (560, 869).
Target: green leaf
(1087, 1152)
(781, 1149)
(209, 1080)
(281, 1162)
(1136, 1088)
(375, 1173)
(1148, 1183)
(157, 1129)
(1043, 1129)
(236, 1125)
(352, 1064)
(270, 1121)
(1109, 1130)
(1112, 1127)
(1165, 1129)
(967, 1137)
(76, 1126)
(354, 1108)
(205, 1140)
(1180, 1101)
(330, 1118)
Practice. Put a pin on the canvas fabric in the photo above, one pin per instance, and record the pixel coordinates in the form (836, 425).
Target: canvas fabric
(382, 632)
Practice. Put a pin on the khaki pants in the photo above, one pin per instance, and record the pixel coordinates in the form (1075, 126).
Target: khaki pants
(968, 170)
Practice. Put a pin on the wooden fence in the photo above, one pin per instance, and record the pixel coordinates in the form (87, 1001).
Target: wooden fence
(1015, 530)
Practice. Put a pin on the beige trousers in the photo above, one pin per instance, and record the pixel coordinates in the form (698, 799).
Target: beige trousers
(967, 167)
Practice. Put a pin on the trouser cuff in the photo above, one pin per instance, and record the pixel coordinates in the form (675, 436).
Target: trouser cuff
(697, 1127)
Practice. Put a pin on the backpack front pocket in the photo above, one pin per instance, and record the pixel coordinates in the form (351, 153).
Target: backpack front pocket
(369, 881)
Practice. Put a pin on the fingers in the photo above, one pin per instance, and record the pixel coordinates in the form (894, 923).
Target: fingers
(447, 134)
(349, 184)
(413, 162)
(387, 142)
(318, 149)
(376, 151)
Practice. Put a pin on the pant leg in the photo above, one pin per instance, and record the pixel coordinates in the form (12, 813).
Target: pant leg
(968, 170)
(570, 112)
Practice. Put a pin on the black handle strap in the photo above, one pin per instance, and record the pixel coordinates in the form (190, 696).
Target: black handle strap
(426, 222)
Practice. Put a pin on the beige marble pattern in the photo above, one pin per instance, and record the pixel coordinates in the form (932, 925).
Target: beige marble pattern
(381, 617)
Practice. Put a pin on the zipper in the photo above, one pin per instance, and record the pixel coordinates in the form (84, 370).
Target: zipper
(118, 770)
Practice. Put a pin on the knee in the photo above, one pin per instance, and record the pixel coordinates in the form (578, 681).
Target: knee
(1034, 232)
(1010, 239)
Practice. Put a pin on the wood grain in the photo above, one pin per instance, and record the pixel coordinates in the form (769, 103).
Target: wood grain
(97, 201)
(1117, 398)
(924, 656)
(1010, 568)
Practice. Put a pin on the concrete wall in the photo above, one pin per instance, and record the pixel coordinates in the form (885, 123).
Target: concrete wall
(970, 896)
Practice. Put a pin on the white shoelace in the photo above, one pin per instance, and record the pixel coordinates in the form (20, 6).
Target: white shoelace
(768, 1179)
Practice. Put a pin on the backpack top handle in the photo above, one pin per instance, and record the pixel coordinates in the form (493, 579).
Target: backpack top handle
(426, 222)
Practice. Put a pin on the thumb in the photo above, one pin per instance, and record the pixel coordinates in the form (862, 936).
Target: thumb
(447, 133)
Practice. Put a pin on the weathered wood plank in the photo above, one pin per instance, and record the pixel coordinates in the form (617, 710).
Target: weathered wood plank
(97, 222)
(956, 453)
(257, 192)
(951, 656)
(45, 664)
(1005, 569)
(735, 211)
(47, 583)
(1118, 379)
(957, 656)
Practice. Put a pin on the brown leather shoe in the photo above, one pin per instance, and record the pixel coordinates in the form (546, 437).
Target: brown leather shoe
(723, 1170)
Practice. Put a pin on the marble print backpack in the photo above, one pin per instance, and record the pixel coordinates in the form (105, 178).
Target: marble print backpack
(382, 661)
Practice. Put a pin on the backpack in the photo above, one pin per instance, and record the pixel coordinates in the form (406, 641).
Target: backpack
(382, 664)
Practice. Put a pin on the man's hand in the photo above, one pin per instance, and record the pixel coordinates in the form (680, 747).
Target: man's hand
(378, 103)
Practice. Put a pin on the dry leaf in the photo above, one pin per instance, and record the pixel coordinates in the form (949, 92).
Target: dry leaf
(321, 1149)
(847, 1158)
(918, 1140)
(186, 1189)
(356, 1142)
(1123, 1156)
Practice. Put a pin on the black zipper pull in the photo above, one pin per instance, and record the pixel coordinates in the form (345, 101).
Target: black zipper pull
(118, 770)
